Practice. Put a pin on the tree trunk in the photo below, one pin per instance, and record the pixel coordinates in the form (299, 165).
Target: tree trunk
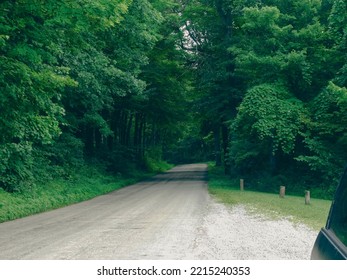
(110, 141)
(272, 160)
(217, 148)
(140, 138)
(123, 127)
(89, 140)
(225, 140)
(136, 131)
(128, 129)
(144, 142)
(98, 139)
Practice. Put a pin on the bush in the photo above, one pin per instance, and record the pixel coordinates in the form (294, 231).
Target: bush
(153, 161)
(16, 161)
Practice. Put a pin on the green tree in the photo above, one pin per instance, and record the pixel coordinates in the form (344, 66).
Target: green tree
(326, 136)
(31, 84)
(269, 122)
(209, 29)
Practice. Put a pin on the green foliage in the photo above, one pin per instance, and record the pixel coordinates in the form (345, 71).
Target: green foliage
(259, 85)
(71, 88)
(292, 208)
(153, 161)
(31, 86)
(16, 166)
(281, 51)
(338, 27)
(327, 134)
(270, 113)
(286, 56)
(338, 21)
(84, 184)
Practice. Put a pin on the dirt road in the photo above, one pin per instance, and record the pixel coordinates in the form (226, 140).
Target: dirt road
(170, 216)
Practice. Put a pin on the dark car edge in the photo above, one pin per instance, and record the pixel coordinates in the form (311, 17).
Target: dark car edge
(332, 239)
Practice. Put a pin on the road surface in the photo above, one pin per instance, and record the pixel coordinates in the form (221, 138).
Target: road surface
(170, 216)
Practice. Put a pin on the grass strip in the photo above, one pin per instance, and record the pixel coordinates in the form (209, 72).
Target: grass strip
(86, 184)
(271, 205)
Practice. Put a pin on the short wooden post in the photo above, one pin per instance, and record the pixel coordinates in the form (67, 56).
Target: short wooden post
(307, 197)
(282, 191)
(242, 184)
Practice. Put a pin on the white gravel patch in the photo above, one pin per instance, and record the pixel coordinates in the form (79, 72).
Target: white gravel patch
(235, 233)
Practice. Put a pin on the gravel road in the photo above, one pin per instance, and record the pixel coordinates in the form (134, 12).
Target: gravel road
(170, 216)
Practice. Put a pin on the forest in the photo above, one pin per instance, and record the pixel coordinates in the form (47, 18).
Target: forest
(258, 86)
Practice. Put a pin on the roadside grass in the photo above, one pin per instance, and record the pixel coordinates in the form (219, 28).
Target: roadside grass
(88, 183)
(271, 205)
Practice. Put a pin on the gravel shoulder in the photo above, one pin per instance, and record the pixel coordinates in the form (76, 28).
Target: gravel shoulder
(170, 217)
(234, 233)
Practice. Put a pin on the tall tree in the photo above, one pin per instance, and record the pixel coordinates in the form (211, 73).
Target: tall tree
(209, 27)
(31, 83)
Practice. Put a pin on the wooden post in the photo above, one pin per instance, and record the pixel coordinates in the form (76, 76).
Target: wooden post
(307, 197)
(282, 191)
(242, 184)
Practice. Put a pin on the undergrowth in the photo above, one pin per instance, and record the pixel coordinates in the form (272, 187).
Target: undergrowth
(85, 184)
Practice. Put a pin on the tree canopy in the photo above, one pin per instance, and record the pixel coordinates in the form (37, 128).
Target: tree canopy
(257, 86)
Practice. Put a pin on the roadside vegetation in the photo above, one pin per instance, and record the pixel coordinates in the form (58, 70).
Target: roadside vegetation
(85, 184)
(271, 205)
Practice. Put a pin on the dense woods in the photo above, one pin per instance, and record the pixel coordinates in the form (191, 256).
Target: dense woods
(257, 86)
